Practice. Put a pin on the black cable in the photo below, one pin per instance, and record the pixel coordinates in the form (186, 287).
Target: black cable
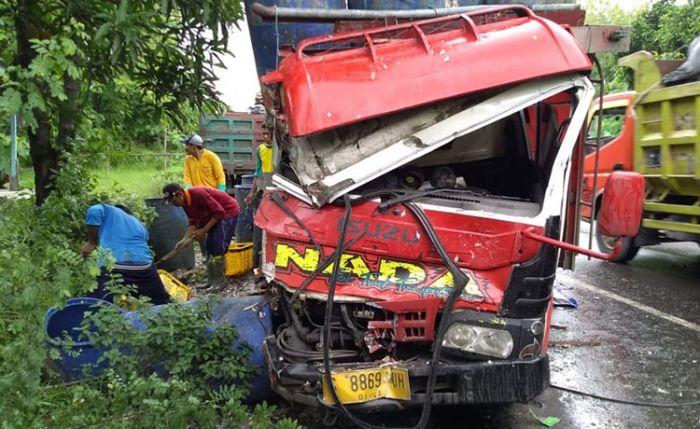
(277, 200)
(623, 401)
(460, 280)
(322, 266)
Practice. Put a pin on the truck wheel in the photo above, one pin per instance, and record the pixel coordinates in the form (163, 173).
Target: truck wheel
(606, 244)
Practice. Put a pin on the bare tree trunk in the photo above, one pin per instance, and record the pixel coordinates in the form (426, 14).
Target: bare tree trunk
(44, 157)
(68, 113)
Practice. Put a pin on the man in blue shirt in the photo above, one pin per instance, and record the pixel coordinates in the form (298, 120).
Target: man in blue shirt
(115, 229)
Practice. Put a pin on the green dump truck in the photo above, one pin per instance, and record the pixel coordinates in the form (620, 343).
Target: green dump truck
(665, 148)
(233, 136)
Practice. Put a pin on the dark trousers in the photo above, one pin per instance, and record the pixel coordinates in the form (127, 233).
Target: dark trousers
(144, 277)
(257, 232)
(219, 237)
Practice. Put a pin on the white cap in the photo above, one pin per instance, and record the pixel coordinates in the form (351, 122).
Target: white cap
(194, 139)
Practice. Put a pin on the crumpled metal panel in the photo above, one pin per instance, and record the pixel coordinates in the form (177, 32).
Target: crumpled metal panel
(412, 64)
(331, 164)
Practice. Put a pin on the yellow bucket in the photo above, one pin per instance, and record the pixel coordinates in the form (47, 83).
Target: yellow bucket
(177, 290)
(239, 259)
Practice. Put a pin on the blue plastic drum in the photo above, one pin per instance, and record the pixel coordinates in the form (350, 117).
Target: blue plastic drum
(77, 356)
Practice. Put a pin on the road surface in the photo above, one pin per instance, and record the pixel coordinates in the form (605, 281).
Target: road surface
(635, 336)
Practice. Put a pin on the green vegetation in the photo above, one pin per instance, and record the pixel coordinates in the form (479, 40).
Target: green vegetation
(105, 72)
(143, 178)
(663, 27)
(141, 173)
(176, 375)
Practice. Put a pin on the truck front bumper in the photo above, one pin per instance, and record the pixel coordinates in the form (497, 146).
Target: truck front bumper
(482, 382)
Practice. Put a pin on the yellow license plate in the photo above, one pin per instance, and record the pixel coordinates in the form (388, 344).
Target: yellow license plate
(365, 385)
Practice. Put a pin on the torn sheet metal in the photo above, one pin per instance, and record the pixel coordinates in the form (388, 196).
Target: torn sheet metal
(336, 162)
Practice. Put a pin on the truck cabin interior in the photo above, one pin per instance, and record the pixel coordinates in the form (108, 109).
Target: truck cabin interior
(503, 166)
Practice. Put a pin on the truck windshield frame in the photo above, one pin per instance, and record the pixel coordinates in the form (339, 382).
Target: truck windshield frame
(321, 186)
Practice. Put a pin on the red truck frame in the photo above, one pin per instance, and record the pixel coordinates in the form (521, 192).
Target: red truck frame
(423, 167)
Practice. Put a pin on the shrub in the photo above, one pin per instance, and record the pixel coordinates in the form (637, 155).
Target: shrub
(176, 374)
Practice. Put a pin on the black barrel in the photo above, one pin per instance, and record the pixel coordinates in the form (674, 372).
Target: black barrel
(166, 230)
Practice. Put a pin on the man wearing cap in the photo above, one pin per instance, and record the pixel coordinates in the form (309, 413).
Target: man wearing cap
(202, 166)
(212, 216)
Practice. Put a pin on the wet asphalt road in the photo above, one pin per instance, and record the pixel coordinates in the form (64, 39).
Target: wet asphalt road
(635, 336)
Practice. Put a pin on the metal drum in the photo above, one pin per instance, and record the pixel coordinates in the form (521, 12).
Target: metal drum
(166, 230)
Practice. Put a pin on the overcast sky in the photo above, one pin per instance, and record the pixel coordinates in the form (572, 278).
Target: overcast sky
(239, 82)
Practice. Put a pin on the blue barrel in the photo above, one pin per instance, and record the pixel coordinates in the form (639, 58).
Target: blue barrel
(166, 230)
(267, 36)
(62, 328)
(252, 319)
(244, 225)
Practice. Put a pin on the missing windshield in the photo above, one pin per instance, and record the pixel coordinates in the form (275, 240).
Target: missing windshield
(494, 152)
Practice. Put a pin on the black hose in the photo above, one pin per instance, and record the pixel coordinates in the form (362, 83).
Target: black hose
(460, 280)
(277, 200)
(626, 402)
(308, 335)
(322, 266)
(310, 355)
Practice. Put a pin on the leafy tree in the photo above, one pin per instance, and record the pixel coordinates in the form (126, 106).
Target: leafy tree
(662, 27)
(71, 63)
(667, 28)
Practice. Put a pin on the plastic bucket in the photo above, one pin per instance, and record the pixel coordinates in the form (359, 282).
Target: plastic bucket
(244, 225)
(166, 230)
(62, 328)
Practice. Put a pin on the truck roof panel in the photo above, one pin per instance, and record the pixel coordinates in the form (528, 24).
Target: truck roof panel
(341, 79)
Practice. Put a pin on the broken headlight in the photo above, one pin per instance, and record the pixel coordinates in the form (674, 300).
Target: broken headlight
(476, 339)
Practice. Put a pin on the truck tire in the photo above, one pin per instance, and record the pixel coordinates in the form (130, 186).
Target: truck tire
(605, 244)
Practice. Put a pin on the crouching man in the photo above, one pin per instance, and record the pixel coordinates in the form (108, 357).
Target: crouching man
(114, 228)
(212, 214)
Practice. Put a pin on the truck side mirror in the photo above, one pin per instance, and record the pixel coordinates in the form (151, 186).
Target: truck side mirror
(620, 212)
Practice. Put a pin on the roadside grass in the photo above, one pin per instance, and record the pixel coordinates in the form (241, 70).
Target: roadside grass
(141, 177)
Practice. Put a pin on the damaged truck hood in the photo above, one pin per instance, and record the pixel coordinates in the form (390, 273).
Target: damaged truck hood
(333, 163)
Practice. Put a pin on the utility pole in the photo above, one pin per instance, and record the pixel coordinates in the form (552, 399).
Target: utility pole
(14, 173)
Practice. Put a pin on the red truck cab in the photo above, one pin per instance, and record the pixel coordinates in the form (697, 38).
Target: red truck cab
(422, 167)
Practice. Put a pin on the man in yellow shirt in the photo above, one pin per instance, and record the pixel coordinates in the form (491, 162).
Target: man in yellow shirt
(264, 167)
(202, 166)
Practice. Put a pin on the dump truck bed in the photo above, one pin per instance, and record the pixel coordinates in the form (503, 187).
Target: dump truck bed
(667, 145)
(234, 136)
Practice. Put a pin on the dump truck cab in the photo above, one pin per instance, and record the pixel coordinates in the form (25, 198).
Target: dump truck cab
(421, 168)
(652, 131)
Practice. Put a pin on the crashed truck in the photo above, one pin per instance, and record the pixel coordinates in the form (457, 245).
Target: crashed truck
(426, 190)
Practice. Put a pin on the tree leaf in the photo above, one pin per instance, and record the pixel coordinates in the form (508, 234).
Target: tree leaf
(10, 101)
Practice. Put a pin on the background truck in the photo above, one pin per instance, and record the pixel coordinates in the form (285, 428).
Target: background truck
(234, 137)
(653, 131)
(429, 175)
